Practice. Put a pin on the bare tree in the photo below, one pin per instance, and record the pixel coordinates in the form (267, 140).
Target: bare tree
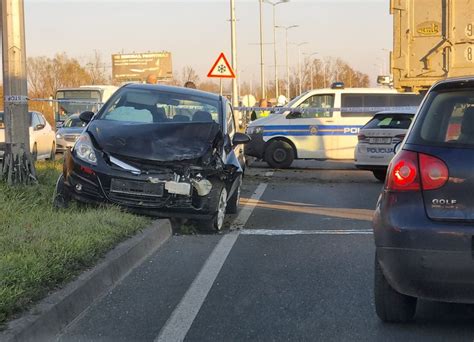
(95, 67)
(189, 74)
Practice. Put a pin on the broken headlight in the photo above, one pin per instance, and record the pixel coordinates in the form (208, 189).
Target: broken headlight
(84, 149)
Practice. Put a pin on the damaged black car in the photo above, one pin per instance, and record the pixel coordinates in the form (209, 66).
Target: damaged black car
(160, 151)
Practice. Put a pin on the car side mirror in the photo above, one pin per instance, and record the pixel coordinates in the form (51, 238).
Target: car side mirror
(59, 124)
(86, 116)
(240, 139)
(39, 127)
(294, 115)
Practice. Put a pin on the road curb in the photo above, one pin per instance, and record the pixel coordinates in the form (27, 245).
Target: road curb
(54, 313)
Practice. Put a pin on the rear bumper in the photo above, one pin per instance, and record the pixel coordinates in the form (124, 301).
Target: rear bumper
(420, 257)
(434, 275)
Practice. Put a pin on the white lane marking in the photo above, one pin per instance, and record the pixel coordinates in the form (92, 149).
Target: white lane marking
(285, 232)
(184, 314)
(269, 174)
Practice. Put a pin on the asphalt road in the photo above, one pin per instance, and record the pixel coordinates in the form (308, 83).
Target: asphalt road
(300, 268)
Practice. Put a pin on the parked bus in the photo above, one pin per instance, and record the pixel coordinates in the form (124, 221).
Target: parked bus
(81, 99)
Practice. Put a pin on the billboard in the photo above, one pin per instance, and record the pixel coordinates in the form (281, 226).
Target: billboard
(135, 67)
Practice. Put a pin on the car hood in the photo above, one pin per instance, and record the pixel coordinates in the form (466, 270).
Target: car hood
(71, 130)
(267, 120)
(162, 142)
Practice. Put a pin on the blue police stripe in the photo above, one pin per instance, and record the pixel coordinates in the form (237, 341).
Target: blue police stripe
(306, 130)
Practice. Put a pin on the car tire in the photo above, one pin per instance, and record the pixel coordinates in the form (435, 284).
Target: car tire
(61, 197)
(390, 305)
(233, 203)
(217, 222)
(279, 154)
(380, 174)
(52, 155)
(34, 153)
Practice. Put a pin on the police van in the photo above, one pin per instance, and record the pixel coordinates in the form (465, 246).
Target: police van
(320, 124)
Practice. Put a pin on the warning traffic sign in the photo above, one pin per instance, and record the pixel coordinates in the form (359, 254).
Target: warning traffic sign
(221, 68)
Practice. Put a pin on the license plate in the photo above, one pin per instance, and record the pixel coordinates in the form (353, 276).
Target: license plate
(380, 140)
(136, 188)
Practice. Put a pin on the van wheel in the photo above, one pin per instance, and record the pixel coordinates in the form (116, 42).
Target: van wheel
(390, 305)
(380, 174)
(279, 154)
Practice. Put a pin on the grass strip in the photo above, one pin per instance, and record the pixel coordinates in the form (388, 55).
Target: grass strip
(42, 248)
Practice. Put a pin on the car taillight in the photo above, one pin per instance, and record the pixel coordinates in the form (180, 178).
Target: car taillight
(412, 171)
(403, 172)
(434, 172)
(361, 137)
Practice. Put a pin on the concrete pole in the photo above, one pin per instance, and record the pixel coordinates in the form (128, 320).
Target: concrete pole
(18, 166)
(277, 90)
(262, 63)
(235, 91)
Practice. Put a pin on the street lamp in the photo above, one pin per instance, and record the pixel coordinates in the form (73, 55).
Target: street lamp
(274, 4)
(312, 67)
(287, 28)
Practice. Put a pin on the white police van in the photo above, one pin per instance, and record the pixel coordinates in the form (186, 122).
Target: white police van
(320, 124)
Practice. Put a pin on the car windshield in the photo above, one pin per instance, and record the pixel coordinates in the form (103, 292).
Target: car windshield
(152, 106)
(74, 123)
(390, 121)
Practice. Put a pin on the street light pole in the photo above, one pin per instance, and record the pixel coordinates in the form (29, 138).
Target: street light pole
(262, 63)
(235, 92)
(287, 28)
(275, 4)
(300, 83)
(312, 67)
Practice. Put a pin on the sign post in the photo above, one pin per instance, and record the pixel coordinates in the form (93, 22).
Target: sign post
(221, 69)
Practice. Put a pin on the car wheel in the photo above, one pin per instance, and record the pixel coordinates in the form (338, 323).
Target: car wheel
(52, 155)
(217, 222)
(380, 174)
(233, 203)
(34, 153)
(61, 197)
(279, 154)
(390, 305)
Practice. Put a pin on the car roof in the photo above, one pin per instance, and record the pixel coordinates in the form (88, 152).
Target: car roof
(454, 82)
(172, 89)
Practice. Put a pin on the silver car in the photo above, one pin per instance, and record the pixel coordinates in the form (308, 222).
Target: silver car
(67, 135)
(378, 138)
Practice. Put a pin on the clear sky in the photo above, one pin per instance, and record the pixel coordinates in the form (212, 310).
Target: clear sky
(195, 31)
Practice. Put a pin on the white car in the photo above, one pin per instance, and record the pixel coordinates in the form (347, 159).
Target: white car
(42, 137)
(378, 138)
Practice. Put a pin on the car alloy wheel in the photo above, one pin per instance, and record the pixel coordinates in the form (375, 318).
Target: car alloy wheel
(221, 209)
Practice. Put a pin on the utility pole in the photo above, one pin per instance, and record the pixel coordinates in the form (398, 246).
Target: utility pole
(235, 91)
(18, 165)
(262, 62)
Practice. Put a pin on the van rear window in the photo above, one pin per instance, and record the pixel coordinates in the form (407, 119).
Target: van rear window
(446, 120)
(390, 121)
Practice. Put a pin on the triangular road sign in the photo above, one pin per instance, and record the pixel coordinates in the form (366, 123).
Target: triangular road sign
(221, 68)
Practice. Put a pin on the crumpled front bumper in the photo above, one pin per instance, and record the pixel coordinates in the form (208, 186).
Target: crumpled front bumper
(92, 184)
